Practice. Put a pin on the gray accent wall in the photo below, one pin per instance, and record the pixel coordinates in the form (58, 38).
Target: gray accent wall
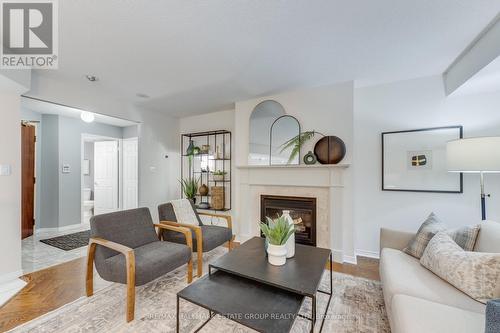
(131, 132)
(70, 152)
(60, 195)
(49, 173)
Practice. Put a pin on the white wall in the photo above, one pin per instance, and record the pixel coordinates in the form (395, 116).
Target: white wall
(220, 120)
(10, 187)
(327, 109)
(158, 133)
(158, 175)
(413, 104)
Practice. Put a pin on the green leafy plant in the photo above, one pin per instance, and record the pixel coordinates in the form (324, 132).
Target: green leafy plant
(296, 143)
(219, 173)
(190, 187)
(277, 231)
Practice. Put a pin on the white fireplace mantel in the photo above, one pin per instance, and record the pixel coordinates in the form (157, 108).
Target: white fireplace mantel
(328, 181)
(316, 175)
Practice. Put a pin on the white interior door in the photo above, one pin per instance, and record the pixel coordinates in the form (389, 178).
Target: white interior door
(130, 173)
(105, 177)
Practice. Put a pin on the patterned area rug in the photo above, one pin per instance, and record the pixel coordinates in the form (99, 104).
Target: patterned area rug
(69, 242)
(357, 306)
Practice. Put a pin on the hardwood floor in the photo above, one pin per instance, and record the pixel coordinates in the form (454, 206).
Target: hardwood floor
(53, 287)
(47, 290)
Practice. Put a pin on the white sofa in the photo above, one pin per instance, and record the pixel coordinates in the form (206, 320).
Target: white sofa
(417, 300)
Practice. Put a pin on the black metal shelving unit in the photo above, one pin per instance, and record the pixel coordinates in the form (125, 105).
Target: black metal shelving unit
(218, 158)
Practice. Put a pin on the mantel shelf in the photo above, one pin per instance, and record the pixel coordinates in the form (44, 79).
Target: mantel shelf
(300, 166)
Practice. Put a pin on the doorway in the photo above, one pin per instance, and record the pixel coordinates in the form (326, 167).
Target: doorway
(109, 175)
(28, 140)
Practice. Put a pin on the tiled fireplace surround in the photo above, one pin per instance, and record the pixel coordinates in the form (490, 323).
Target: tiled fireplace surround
(323, 182)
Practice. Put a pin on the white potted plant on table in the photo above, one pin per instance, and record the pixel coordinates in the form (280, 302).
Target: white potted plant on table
(277, 233)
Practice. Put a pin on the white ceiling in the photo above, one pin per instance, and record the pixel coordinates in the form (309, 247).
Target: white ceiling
(44, 107)
(200, 56)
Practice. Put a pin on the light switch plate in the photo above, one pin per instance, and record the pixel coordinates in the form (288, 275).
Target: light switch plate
(66, 168)
(5, 170)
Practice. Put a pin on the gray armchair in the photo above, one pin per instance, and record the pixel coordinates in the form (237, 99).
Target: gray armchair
(205, 237)
(126, 249)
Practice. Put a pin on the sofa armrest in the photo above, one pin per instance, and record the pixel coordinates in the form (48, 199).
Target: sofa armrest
(394, 239)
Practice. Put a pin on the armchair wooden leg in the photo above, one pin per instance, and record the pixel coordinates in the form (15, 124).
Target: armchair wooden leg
(130, 287)
(230, 245)
(89, 280)
(199, 250)
(190, 271)
(200, 261)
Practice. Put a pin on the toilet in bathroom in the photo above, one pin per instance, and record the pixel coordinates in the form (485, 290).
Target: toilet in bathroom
(88, 205)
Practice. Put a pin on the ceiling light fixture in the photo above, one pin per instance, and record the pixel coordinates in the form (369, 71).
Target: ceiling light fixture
(92, 78)
(87, 117)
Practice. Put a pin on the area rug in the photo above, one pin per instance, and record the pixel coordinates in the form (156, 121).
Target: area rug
(357, 306)
(69, 242)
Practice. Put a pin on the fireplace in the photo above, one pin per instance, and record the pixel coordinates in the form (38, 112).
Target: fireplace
(301, 208)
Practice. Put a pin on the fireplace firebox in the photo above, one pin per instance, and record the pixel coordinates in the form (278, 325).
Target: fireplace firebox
(302, 210)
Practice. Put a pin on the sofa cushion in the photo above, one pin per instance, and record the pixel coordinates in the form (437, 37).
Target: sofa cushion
(132, 228)
(466, 236)
(427, 230)
(416, 315)
(488, 239)
(475, 273)
(151, 261)
(403, 274)
(166, 212)
(213, 236)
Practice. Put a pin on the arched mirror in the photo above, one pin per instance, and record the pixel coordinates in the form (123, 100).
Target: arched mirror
(285, 132)
(262, 118)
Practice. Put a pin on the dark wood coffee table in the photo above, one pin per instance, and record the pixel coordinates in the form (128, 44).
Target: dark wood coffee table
(244, 287)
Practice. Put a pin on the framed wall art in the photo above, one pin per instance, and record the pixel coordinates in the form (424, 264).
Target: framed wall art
(415, 160)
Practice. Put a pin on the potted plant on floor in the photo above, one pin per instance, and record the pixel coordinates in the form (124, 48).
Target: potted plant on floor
(277, 233)
(190, 187)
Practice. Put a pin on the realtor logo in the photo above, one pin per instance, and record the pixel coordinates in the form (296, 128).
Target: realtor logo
(29, 34)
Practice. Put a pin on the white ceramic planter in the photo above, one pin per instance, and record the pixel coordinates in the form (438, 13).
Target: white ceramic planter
(276, 254)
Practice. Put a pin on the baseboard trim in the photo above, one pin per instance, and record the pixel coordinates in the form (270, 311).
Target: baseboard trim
(60, 229)
(368, 254)
(351, 260)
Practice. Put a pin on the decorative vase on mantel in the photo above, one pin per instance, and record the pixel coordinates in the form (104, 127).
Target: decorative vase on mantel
(290, 244)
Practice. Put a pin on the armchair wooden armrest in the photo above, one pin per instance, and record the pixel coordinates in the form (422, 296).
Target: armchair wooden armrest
(228, 218)
(130, 267)
(189, 241)
(175, 226)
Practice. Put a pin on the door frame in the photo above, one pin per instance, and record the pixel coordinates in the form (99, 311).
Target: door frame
(122, 155)
(85, 137)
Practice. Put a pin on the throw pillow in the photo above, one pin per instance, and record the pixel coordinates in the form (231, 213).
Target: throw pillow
(184, 212)
(465, 237)
(427, 230)
(475, 273)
